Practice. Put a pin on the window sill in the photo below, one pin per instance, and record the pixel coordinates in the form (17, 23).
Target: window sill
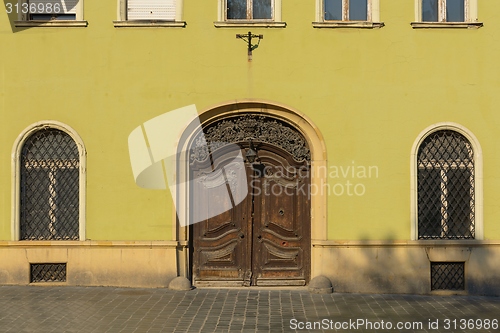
(50, 283)
(449, 292)
(92, 243)
(348, 24)
(54, 23)
(447, 25)
(147, 24)
(405, 243)
(249, 24)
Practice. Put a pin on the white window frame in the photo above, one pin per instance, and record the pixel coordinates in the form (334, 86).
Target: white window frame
(478, 178)
(470, 16)
(24, 21)
(274, 22)
(372, 19)
(122, 20)
(16, 174)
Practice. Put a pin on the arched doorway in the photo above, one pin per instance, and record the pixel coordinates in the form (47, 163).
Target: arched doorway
(265, 238)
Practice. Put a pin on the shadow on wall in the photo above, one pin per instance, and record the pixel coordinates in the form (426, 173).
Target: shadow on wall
(38, 11)
(405, 267)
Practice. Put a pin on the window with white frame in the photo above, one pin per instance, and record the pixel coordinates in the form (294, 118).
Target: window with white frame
(249, 9)
(446, 187)
(49, 186)
(51, 10)
(442, 11)
(347, 13)
(251, 12)
(346, 10)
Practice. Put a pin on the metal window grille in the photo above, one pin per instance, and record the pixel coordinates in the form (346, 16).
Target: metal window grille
(49, 187)
(445, 187)
(447, 276)
(48, 273)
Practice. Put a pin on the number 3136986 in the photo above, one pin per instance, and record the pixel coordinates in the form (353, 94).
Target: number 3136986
(33, 8)
(470, 324)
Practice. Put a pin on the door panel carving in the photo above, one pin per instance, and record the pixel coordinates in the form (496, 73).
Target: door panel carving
(220, 245)
(281, 221)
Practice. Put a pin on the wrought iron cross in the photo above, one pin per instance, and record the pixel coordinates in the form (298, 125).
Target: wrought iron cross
(248, 39)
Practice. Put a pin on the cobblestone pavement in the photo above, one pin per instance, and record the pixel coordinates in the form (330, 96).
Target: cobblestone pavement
(105, 309)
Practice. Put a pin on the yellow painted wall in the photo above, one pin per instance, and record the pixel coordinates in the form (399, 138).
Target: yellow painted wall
(371, 92)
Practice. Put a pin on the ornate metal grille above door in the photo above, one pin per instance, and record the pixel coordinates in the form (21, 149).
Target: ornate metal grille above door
(242, 127)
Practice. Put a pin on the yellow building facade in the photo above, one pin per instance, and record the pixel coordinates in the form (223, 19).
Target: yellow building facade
(394, 103)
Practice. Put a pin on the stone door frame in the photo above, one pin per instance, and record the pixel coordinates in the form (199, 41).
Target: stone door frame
(319, 173)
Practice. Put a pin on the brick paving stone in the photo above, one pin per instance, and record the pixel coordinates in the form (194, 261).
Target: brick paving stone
(105, 309)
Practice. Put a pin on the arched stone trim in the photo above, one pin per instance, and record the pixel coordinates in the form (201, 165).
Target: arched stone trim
(15, 162)
(299, 122)
(478, 174)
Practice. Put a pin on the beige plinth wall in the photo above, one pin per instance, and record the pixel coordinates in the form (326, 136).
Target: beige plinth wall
(93, 263)
(404, 267)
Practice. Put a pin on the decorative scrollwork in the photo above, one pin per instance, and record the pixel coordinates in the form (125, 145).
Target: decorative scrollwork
(241, 128)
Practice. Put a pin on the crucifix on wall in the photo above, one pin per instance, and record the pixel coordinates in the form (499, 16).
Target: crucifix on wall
(248, 39)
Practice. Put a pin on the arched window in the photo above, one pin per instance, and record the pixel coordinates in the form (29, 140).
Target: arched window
(49, 190)
(446, 187)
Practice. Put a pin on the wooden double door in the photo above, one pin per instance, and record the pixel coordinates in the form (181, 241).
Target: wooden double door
(252, 220)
